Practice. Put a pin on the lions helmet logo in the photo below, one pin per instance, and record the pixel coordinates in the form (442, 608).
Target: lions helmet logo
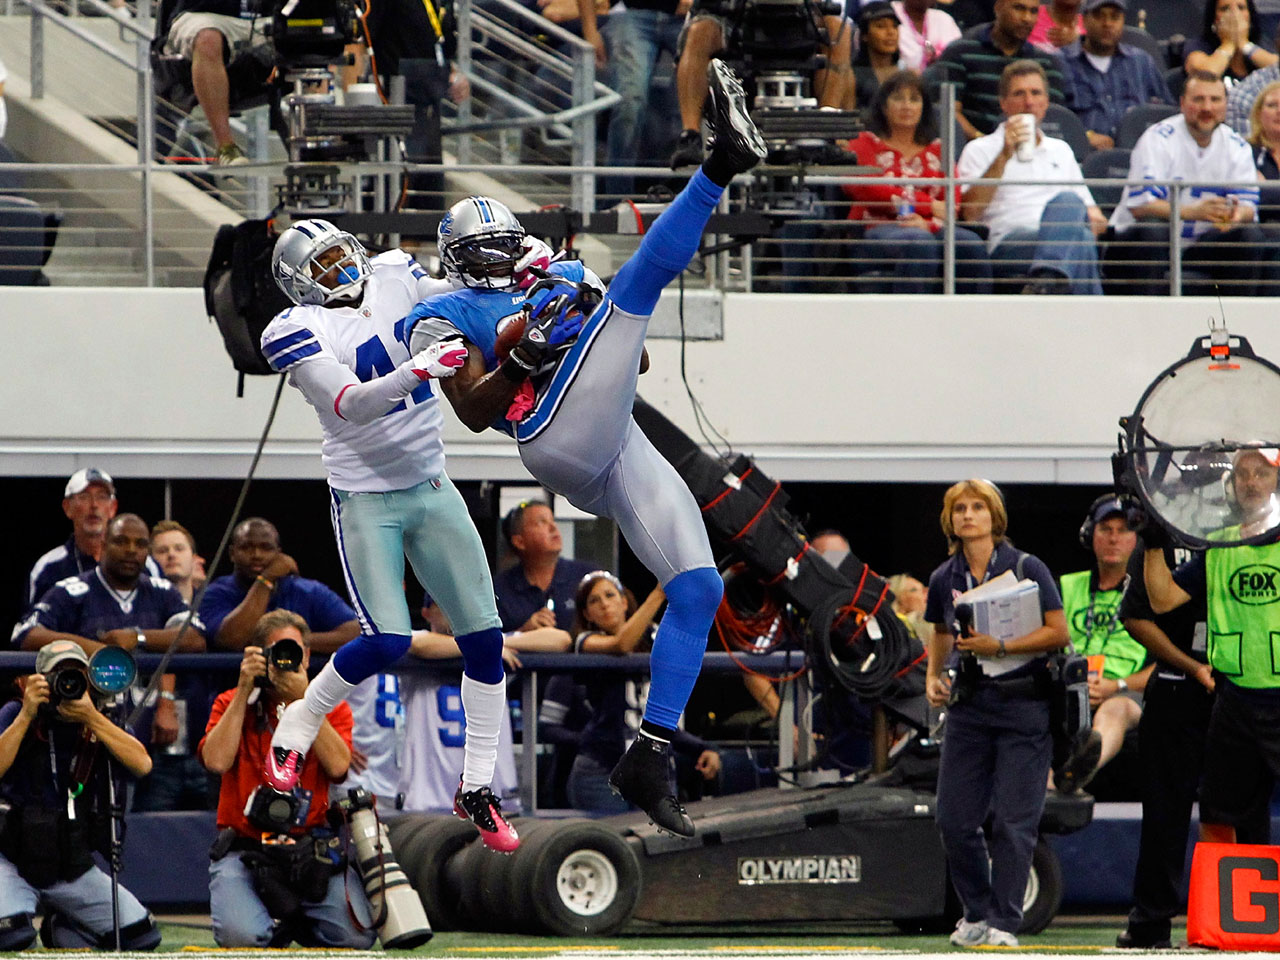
(446, 224)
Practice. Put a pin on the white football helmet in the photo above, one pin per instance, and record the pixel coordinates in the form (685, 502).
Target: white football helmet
(297, 269)
(479, 240)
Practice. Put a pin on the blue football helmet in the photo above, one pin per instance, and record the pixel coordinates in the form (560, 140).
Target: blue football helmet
(480, 243)
(296, 266)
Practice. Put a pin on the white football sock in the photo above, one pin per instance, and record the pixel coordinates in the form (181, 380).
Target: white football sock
(483, 704)
(301, 720)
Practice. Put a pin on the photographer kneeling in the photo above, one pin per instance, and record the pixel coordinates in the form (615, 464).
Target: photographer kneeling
(278, 872)
(55, 810)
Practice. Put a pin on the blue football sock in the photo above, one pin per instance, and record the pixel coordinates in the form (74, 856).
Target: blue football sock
(482, 655)
(692, 600)
(368, 654)
(667, 248)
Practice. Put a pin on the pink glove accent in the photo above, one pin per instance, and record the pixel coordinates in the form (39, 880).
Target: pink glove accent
(450, 357)
(536, 254)
(521, 403)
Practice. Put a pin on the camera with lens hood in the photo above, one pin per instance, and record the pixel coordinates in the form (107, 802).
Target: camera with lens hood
(285, 655)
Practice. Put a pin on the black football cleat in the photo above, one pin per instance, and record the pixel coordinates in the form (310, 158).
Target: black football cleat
(643, 778)
(688, 151)
(734, 136)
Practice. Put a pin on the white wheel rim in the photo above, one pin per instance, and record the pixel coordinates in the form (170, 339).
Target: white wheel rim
(1032, 891)
(587, 883)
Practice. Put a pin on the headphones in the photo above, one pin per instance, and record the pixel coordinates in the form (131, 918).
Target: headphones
(1127, 509)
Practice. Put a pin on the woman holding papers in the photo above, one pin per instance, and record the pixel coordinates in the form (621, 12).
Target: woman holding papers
(997, 746)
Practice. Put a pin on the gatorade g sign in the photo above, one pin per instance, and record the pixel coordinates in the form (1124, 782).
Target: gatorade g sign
(1234, 901)
(1255, 585)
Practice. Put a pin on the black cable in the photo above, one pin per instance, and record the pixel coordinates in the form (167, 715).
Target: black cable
(699, 415)
(867, 667)
(217, 557)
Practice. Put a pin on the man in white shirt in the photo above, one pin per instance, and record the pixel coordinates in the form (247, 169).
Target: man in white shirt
(925, 33)
(1045, 233)
(1220, 235)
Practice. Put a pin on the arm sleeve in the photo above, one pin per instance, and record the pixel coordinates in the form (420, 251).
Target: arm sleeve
(1244, 170)
(218, 601)
(54, 611)
(328, 610)
(973, 162)
(688, 744)
(427, 285)
(557, 703)
(1135, 604)
(1190, 576)
(1035, 570)
(934, 600)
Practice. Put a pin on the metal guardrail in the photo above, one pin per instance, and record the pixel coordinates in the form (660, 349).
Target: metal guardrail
(778, 663)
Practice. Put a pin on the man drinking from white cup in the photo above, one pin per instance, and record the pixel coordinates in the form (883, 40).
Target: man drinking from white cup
(1042, 235)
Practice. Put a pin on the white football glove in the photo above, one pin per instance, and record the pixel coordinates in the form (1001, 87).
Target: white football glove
(440, 360)
(536, 254)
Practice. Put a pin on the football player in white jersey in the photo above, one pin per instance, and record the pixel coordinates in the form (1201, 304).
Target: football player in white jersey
(343, 345)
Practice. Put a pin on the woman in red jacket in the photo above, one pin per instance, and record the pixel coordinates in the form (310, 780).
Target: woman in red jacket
(905, 221)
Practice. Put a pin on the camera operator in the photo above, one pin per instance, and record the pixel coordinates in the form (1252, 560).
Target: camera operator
(277, 877)
(705, 36)
(55, 810)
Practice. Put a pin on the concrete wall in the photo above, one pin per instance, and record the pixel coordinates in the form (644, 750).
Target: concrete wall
(819, 388)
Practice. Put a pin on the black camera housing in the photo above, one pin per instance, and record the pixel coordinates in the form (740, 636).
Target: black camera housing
(285, 655)
(274, 811)
(67, 683)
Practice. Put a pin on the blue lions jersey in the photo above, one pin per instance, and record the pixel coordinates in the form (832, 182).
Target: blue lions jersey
(478, 316)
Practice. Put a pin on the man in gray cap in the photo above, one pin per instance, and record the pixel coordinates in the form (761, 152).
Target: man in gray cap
(46, 848)
(1109, 77)
(89, 501)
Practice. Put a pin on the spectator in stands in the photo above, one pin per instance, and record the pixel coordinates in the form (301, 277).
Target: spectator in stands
(174, 549)
(1059, 26)
(209, 33)
(178, 780)
(703, 38)
(538, 591)
(908, 603)
(997, 748)
(1108, 76)
(1228, 45)
(1244, 94)
(905, 221)
(57, 812)
(832, 545)
(925, 32)
(267, 578)
(114, 604)
(1219, 232)
(1044, 233)
(976, 64)
(609, 621)
(877, 57)
(970, 13)
(629, 43)
(1091, 602)
(89, 501)
(264, 891)
(1264, 134)
(434, 724)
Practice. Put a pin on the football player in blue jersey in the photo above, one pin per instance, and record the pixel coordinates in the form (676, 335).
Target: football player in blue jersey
(342, 345)
(565, 393)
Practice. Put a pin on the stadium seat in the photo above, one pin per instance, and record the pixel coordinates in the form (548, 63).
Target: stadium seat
(1109, 164)
(1061, 123)
(1165, 18)
(9, 180)
(1135, 37)
(1137, 119)
(1175, 79)
(27, 236)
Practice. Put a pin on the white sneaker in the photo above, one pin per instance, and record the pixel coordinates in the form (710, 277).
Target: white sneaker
(1000, 938)
(969, 934)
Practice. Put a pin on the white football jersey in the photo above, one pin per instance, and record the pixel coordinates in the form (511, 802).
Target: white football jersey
(435, 736)
(322, 347)
(378, 733)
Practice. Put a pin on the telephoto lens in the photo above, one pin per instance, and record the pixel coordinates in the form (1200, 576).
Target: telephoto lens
(397, 908)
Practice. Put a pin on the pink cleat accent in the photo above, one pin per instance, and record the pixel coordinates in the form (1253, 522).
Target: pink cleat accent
(282, 769)
(484, 809)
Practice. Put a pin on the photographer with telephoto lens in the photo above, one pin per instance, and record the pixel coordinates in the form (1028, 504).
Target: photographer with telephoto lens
(55, 811)
(278, 873)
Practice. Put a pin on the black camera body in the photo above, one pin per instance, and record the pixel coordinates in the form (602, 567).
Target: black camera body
(311, 33)
(274, 811)
(66, 684)
(285, 655)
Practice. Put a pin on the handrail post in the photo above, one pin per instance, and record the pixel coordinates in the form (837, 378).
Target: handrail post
(146, 133)
(1175, 242)
(462, 11)
(949, 164)
(37, 53)
(584, 129)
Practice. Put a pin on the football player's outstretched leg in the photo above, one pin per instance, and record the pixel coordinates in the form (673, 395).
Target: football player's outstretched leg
(566, 391)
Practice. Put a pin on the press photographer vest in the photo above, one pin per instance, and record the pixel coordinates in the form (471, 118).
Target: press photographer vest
(1095, 627)
(1243, 599)
(38, 837)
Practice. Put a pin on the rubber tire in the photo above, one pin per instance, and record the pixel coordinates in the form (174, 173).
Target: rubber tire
(402, 829)
(1046, 877)
(551, 849)
(426, 855)
(517, 894)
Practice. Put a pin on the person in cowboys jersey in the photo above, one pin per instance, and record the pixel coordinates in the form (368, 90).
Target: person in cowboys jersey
(116, 604)
(343, 346)
(565, 393)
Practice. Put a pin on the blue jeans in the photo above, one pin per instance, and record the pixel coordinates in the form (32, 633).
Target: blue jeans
(635, 40)
(240, 919)
(85, 902)
(1063, 244)
(589, 787)
(995, 760)
(915, 256)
